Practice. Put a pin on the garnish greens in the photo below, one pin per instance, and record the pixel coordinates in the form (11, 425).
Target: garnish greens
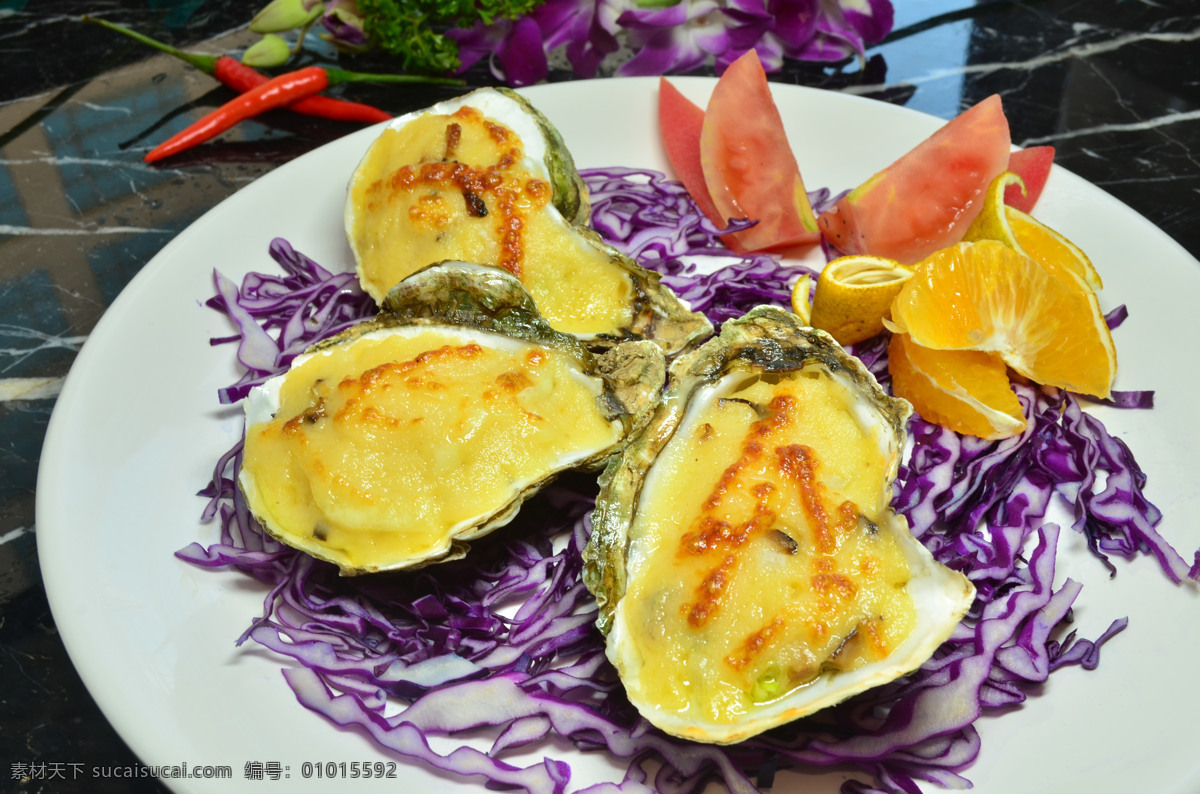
(409, 29)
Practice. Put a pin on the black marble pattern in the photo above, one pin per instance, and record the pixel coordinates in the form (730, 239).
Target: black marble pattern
(1112, 84)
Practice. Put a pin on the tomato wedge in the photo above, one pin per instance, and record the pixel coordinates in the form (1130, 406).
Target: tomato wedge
(749, 167)
(679, 123)
(924, 201)
(1033, 166)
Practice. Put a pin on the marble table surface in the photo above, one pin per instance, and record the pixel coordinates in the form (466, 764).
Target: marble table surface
(1112, 84)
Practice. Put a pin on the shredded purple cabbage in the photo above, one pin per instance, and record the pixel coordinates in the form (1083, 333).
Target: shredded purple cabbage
(502, 646)
(654, 220)
(277, 317)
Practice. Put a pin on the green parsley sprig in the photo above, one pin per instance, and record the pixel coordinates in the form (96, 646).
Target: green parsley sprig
(414, 30)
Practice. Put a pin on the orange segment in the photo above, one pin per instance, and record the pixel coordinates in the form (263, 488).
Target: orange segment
(853, 296)
(964, 390)
(1016, 229)
(1049, 247)
(986, 296)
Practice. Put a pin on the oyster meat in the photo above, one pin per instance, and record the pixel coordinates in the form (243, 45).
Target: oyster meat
(748, 565)
(393, 443)
(486, 178)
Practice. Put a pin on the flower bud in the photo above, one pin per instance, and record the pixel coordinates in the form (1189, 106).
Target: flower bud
(280, 15)
(268, 52)
(345, 26)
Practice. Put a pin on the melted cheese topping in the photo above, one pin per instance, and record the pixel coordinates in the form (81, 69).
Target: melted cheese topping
(756, 564)
(459, 187)
(381, 449)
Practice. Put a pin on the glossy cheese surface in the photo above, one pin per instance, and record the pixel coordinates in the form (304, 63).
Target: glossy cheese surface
(382, 449)
(462, 187)
(756, 562)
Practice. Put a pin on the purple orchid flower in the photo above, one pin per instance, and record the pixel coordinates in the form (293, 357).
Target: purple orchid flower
(677, 38)
(584, 29)
(345, 26)
(673, 37)
(811, 30)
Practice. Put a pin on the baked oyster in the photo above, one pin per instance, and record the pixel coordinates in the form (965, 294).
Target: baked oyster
(394, 443)
(486, 178)
(747, 563)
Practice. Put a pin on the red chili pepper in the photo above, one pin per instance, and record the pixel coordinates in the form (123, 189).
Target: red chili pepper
(276, 92)
(241, 78)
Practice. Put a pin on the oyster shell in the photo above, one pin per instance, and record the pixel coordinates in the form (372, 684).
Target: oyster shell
(486, 178)
(394, 443)
(747, 562)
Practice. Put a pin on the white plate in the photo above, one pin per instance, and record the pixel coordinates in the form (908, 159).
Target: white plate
(137, 429)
